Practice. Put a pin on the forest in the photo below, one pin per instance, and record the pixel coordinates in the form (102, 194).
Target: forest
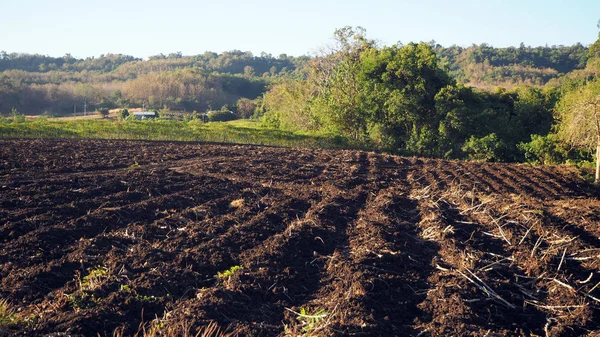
(37, 84)
(417, 99)
(476, 102)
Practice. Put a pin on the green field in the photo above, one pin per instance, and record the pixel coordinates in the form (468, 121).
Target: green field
(239, 132)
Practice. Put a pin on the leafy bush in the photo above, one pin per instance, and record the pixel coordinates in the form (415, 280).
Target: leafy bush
(424, 142)
(543, 150)
(191, 117)
(221, 116)
(17, 117)
(311, 321)
(488, 148)
(103, 112)
(123, 114)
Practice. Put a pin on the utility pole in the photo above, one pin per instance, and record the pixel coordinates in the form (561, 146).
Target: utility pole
(74, 110)
(85, 108)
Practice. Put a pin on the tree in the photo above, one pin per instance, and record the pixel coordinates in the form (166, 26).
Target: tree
(249, 71)
(402, 83)
(245, 107)
(339, 102)
(103, 112)
(594, 50)
(287, 106)
(123, 114)
(579, 119)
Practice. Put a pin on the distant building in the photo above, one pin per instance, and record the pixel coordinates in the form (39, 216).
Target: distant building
(144, 115)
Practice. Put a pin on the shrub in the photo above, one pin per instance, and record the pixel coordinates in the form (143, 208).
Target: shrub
(424, 142)
(103, 112)
(488, 148)
(543, 150)
(221, 116)
(123, 114)
(191, 117)
(17, 117)
(245, 107)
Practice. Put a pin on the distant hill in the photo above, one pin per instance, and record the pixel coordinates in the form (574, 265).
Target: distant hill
(485, 66)
(34, 84)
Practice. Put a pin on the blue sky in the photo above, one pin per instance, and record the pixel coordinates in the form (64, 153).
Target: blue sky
(143, 28)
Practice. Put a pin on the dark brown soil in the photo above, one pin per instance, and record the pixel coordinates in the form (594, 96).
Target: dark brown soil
(99, 236)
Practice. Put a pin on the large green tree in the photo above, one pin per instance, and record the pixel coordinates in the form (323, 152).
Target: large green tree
(404, 82)
(579, 119)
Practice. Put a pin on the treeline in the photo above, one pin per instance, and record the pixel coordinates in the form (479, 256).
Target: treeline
(233, 62)
(404, 99)
(42, 63)
(486, 66)
(185, 89)
(37, 84)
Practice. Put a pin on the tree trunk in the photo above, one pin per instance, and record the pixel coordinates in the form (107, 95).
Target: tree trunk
(597, 181)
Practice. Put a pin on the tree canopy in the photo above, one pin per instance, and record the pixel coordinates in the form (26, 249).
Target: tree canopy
(403, 99)
(579, 118)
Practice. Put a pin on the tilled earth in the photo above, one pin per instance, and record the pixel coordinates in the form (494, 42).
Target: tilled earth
(117, 237)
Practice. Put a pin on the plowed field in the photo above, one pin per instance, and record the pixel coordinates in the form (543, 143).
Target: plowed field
(103, 237)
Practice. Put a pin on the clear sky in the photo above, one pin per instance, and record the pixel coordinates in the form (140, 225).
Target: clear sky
(143, 28)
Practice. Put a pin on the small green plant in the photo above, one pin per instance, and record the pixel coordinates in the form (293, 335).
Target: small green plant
(82, 300)
(228, 273)
(133, 166)
(8, 317)
(94, 279)
(310, 321)
(145, 298)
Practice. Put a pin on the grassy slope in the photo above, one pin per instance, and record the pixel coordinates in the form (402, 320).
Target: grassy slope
(240, 131)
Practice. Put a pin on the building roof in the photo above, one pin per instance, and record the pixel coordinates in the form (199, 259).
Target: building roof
(144, 113)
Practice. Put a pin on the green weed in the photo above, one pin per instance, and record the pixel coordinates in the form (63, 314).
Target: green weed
(82, 300)
(311, 321)
(94, 279)
(8, 316)
(145, 298)
(228, 273)
(133, 166)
